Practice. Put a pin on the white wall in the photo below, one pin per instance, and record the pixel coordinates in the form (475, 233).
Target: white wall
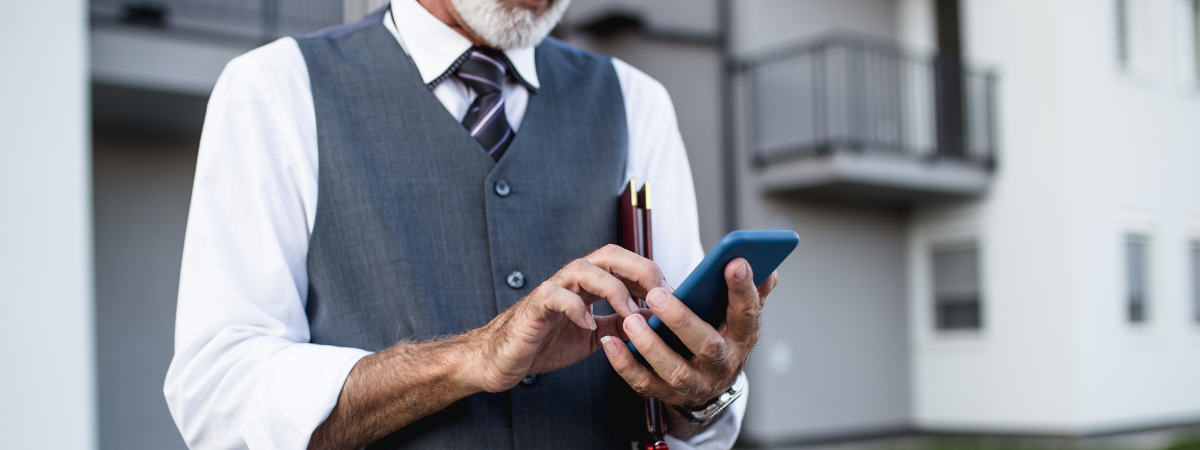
(832, 360)
(47, 382)
(143, 188)
(1134, 147)
(1017, 375)
(687, 16)
(766, 24)
(916, 24)
(1088, 153)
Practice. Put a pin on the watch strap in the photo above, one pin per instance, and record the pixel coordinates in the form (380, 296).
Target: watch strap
(716, 406)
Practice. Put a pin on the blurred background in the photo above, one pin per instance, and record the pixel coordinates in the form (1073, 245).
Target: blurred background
(997, 200)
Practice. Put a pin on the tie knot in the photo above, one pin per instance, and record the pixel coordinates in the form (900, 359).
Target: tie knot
(483, 70)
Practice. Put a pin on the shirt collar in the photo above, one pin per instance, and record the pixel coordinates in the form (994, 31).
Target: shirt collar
(435, 47)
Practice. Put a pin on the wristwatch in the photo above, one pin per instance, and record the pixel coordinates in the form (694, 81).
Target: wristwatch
(713, 409)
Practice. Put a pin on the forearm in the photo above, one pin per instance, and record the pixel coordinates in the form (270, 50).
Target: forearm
(391, 389)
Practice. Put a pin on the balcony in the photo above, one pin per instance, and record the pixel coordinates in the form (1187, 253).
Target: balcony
(255, 20)
(849, 118)
(181, 46)
(154, 63)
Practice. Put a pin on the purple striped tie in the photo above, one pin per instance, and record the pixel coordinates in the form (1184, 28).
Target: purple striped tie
(483, 70)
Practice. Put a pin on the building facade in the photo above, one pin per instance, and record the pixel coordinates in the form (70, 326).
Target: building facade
(1029, 267)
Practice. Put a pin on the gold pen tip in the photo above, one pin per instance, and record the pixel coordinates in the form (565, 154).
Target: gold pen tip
(647, 188)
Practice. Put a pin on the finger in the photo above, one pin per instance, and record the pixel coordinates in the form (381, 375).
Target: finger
(669, 366)
(701, 338)
(639, 274)
(609, 325)
(641, 379)
(613, 325)
(581, 276)
(767, 287)
(552, 299)
(742, 314)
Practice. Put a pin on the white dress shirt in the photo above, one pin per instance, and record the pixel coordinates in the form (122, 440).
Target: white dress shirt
(244, 375)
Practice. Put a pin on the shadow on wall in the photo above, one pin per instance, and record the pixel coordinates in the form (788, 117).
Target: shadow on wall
(142, 188)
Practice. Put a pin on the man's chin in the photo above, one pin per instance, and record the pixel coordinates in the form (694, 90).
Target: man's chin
(506, 24)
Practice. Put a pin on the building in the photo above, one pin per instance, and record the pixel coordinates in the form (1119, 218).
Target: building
(1000, 233)
(996, 235)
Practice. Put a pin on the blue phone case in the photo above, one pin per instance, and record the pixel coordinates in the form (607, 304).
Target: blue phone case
(705, 291)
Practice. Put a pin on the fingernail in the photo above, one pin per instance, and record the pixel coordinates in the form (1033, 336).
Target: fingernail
(663, 284)
(633, 306)
(740, 274)
(590, 319)
(635, 324)
(609, 347)
(657, 299)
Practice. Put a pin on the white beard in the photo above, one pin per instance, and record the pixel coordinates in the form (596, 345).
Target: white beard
(508, 28)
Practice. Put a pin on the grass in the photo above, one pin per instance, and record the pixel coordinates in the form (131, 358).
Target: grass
(1189, 443)
(1186, 443)
(1185, 439)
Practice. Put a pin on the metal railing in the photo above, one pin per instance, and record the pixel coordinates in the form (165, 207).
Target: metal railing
(852, 93)
(263, 20)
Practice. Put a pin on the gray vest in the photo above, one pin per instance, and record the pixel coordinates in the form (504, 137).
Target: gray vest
(413, 240)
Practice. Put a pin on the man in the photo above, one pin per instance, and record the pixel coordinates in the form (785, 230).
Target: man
(362, 268)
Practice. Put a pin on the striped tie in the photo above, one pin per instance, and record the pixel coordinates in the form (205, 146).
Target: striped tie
(483, 71)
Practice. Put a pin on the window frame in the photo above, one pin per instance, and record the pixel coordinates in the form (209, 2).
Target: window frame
(1124, 53)
(1135, 38)
(1193, 275)
(1138, 307)
(935, 300)
(1194, 39)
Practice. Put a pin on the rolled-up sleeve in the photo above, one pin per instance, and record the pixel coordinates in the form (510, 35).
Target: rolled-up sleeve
(243, 373)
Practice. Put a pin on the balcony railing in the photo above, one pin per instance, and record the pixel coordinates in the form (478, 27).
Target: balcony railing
(849, 93)
(263, 20)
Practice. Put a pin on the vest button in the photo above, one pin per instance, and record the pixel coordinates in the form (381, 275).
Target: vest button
(516, 280)
(502, 188)
(529, 380)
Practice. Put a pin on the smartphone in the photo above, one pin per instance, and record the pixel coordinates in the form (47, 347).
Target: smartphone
(705, 292)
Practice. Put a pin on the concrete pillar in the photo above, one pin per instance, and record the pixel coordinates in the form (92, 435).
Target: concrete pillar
(47, 341)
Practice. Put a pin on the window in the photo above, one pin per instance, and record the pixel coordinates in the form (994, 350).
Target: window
(1185, 15)
(956, 292)
(1134, 35)
(1192, 30)
(1123, 32)
(1137, 278)
(1195, 250)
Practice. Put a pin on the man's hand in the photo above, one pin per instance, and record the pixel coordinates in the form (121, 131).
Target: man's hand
(553, 327)
(720, 354)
